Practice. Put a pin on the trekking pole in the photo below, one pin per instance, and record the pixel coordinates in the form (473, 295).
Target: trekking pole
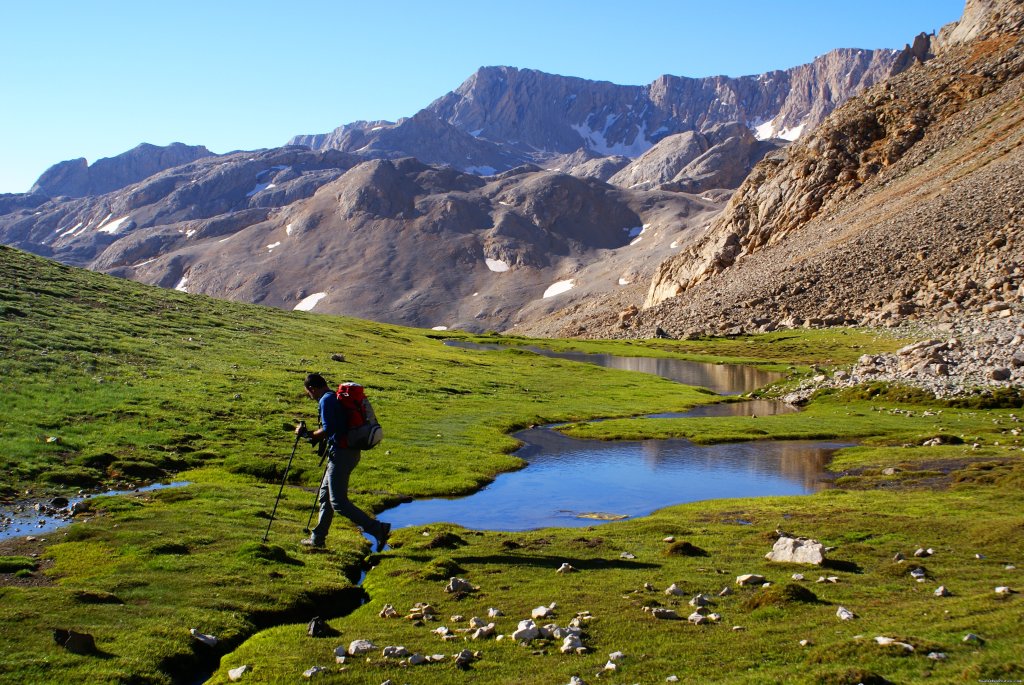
(316, 498)
(298, 436)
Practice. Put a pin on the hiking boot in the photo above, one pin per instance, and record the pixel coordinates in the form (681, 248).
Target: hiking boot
(310, 542)
(382, 537)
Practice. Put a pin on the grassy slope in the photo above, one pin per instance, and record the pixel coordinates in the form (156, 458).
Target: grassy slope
(202, 386)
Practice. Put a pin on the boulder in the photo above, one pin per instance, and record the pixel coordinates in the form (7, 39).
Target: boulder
(797, 551)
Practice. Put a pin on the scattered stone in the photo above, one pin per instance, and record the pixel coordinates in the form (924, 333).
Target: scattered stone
(845, 614)
(610, 666)
(337, 357)
(395, 652)
(616, 656)
(798, 576)
(921, 552)
(797, 551)
(417, 660)
(827, 579)
(936, 656)
(526, 631)
(899, 557)
(888, 641)
(942, 591)
(235, 674)
(749, 579)
(1004, 590)
(541, 612)
(672, 679)
(674, 589)
(494, 613)
(565, 568)
(208, 640)
(701, 600)
(971, 638)
(442, 632)
(75, 642)
(697, 618)
(483, 632)
(738, 628)
(310, 672)
(464, 658)
(460, 585)
(457, 618)
(669, 538)
(665, 614)
(359, 647)
(627, 555)
(576, 680)
(388, 611)
(572, 644)
(918, 574)
(805, 643)
(725, 592)
(649, 587)
(317, 628)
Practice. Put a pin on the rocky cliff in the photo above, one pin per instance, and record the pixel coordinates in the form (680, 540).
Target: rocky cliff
(509, 116)
(77, 178)
(905, 202)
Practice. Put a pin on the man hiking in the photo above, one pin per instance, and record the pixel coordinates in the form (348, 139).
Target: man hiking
(340, 463)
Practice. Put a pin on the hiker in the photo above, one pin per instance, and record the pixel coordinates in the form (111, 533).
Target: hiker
(340, 464)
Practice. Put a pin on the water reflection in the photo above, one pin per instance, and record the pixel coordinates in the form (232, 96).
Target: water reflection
(568, 477)
(724, 379)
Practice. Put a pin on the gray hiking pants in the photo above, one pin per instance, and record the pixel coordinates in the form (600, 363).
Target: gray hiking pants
(334, 497)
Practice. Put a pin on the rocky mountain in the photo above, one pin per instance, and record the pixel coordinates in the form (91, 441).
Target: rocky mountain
(397, 241)
(436, 220)
(78, 178)
(906, 202)
(502, 116)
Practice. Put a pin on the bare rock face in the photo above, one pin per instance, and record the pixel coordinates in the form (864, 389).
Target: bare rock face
(502, 117)
(886, 170)
(76, 178)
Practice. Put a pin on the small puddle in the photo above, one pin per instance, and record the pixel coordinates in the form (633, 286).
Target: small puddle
(38, 517)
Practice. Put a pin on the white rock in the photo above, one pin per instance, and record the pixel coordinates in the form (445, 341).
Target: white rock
(797, 551)
(395, 652)
(750, 579)
(1003, 590)
(701, 600)
(572, 644)
(565, 568)
(798, 576)
(697, 618)
(674, 589)
(845, 614)
(494, 613)
(441, 631)
(975, 639)
(526, 631)
(208, 640)
(417, 659)
(576, 680)
(358, 647)
(670, 538)
(805, 643)
(666, 614)
(922, 552)
(388, 611)
(918, 574)
(611, 666)
(627, 555)
(725, 592)
(616, 656)
(888, 641)
(459, 585)
(236, 674)
(310, 672)
(936, 656)
(477, 622)
(672, 679)
(541, 612)
(941, 591)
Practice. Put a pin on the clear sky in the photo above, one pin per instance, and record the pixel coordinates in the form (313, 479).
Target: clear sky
(93, 78)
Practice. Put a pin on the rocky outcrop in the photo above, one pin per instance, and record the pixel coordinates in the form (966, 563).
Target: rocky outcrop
(76, 178)
(862, 154)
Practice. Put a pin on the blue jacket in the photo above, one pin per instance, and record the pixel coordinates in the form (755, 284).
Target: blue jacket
(332, 419)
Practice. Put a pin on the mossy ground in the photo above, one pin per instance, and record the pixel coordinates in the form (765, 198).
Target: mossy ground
(138, 383)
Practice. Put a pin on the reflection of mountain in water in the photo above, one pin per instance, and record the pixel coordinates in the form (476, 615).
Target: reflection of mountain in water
(566, 477)
(725, 379)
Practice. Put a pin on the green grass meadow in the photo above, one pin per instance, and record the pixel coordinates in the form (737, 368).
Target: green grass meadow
(109, 382)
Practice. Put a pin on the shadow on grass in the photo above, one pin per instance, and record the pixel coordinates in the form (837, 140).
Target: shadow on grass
(545, 561)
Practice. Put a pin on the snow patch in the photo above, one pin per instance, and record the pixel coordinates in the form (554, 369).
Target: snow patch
(308, 303)
(271, 246)
(224, 240)
(623, 281)
(596, 141)
(439, 328)
(112, 227)
(496, 265)
(635, 231)
(476, 133)
(765, 131)
(559, 288)
(181, 285)
(71, 231)
(674, 245)
(791, 134)
(260, 187)
(288, 229)
(190, 232)
(148, 261)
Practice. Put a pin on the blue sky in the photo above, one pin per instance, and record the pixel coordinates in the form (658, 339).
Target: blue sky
(91, 78)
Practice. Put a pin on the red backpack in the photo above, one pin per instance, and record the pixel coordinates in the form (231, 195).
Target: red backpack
(364, 431)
